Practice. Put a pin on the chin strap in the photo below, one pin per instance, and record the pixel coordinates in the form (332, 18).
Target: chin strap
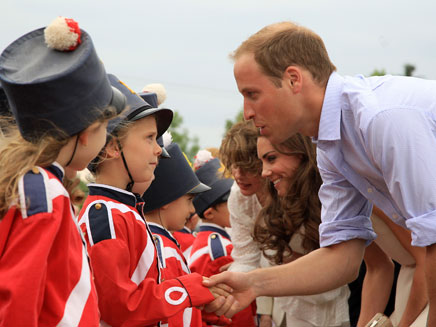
(130, 184)
(74, 151)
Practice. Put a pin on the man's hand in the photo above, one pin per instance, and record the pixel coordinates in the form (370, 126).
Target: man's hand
(265, 321)
(243, 293)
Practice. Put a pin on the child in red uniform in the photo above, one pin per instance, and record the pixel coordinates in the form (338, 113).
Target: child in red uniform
(61, 102)
(186, 235)
(123, 256)
(168, 204)
(212, 247)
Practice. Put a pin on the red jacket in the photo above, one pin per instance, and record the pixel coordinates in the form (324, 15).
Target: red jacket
(45, 278)
(211, 250)
(185, 238)
(174, 265)
(125, 264)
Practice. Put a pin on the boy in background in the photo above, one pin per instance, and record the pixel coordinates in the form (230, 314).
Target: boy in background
(168, 205)
(212, 247)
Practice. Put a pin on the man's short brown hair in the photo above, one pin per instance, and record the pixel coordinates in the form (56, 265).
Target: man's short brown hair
(278, 46)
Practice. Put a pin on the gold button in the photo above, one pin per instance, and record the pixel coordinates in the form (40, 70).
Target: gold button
(395, 216)
(98, 206)
(369, 190)
(35, 170)
(213, 236)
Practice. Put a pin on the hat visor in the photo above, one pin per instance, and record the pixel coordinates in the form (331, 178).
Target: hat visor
(164, 118)
(200, 188)
(118, 100)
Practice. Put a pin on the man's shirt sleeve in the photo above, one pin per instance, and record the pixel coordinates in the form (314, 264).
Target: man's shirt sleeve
(345, 212)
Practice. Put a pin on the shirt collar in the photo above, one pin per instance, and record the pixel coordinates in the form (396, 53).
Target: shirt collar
(208, 227)
(160, 230)
(185, 230)
(330, 122)
(57, 170)
(113, 193)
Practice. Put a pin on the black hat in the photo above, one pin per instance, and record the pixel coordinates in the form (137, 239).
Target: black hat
(50, 90)
(211, 174)
(151, 99)
(138, 108)
(4, 105)
(174, 178)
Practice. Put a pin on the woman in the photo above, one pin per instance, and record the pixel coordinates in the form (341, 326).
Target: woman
(287, 227)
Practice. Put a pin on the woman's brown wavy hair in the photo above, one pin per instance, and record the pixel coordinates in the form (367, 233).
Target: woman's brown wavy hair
(298, 210)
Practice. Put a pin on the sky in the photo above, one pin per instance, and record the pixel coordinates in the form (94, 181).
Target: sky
(185, 44)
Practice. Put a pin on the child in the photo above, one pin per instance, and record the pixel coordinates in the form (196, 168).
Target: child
(212, 247)
(186, 236)
(120, 245)
(61, 102)
(168, 204)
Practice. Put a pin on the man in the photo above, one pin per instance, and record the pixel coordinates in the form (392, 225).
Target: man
(376, 141)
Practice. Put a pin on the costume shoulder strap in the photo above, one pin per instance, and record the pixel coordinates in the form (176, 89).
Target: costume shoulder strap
(216, 246)
(35, 194)
(100, 223)
(159, 243)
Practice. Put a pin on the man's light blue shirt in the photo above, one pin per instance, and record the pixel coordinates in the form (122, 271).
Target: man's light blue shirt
(376, 145)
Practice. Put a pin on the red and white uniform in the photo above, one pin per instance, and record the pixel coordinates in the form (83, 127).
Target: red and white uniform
(211, 250)
(45, 278)
(125, 263)
(186, 238)
(174, 265)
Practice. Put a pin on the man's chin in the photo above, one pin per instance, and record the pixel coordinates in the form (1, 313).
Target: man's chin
(276, 139)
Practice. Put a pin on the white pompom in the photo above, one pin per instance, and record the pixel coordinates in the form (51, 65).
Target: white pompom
(157, 88)
(167, 139)
(62, 34)
(85, 176)
(201, 158)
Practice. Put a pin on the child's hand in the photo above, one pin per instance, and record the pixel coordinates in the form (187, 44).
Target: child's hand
(220, 289)
(225, 267)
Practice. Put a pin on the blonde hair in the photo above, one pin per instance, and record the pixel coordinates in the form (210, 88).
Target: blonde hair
(239, 148)
(17, 157)
(278, 46)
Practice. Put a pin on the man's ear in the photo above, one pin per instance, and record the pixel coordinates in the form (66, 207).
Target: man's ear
(208, 214)
(293, 77)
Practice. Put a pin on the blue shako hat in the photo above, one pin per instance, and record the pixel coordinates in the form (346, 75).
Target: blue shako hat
(4, 105)
(51, 90)
(138, 108)
(151, 99)
(174, 178)
(211, 175)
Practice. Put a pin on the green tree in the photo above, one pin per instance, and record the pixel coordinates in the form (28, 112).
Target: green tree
(409, 69)
(239, 117)
(189, 145)
(378, 72)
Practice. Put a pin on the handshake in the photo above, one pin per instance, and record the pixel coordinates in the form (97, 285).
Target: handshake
(232, 291)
